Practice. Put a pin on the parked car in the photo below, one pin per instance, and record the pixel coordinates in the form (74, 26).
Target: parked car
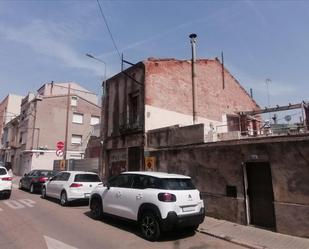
(34, 180)
(5, 183)
(157, 201)
(71, 185)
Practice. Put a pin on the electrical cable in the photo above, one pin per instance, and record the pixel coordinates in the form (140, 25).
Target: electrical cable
(109, 31)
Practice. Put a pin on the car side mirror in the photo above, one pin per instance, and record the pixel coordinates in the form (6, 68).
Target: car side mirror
(25, 174)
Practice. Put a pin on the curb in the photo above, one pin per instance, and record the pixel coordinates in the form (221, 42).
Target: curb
(232, 240)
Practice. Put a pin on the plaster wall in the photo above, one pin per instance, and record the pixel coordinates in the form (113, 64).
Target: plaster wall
(156, 118)
(217, 165)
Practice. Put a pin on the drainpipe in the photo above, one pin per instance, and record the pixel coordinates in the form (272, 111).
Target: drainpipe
(193, 75)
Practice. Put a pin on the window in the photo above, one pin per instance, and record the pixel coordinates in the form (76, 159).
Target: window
(73, 101)
(76, 139)
(21, 137)
(64, 176)
(87, 178)
(47, 173)
(94, 120)
(143, 182)
(133, 109)
(78, 118)
(121, 181)
(177, 184)
(2, 171)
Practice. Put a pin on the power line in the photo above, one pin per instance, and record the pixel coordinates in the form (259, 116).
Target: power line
(109, 31)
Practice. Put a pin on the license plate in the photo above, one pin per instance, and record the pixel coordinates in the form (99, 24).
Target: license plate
(188, 209)
(87, 195)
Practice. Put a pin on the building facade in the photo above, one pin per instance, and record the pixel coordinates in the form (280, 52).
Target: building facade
(157, 93)
(9, 109)
(255, 181)
(57, 112)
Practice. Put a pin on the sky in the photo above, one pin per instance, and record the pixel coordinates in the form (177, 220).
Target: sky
(44, 41)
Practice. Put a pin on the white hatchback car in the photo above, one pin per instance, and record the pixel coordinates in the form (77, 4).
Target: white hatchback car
(5, 183)
(157, 201)
(71, 185)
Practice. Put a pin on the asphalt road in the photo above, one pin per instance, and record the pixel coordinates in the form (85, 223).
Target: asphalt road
(29, 222)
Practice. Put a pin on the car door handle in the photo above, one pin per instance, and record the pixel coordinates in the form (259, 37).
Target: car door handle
(139, 197)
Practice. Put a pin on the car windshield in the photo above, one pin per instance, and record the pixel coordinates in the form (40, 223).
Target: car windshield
(177, 184)
(2, 171)
(87, 178)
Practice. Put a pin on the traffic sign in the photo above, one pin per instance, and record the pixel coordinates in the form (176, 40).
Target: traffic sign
(150, 163)
(59, 153)
(60, 145)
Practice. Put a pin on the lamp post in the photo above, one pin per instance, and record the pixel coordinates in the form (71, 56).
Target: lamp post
(102, 150)
(268, 97)
(193, 60)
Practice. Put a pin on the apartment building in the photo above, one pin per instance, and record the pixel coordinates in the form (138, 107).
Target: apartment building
(9, 109)
(57, 112)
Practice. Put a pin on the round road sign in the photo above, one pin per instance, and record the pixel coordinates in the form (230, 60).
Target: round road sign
(59, 153)
(60, 145)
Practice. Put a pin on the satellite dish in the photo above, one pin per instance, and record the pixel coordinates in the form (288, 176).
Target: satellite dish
(287, 118)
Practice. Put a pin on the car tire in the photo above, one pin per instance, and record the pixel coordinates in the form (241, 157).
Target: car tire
(8, 195)
(150, 226)
(43, 193)
(31, 189)
(192, 228)
(63, 199)
(96, 210)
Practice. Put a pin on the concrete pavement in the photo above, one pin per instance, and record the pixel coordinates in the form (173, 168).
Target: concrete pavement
(251, 237)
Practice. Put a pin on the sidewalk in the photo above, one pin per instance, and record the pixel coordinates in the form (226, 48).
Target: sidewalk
(251, 237)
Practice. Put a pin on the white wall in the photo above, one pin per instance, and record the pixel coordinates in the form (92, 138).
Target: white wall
(46, 160)
(157, 118)
(13, 107)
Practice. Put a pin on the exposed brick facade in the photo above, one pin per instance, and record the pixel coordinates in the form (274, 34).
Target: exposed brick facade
(169, 86)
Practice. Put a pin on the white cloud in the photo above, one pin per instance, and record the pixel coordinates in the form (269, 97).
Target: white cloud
(51, 40)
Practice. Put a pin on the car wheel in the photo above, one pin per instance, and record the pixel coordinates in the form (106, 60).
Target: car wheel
(96, 210)
(44, 193)
(63, 199)
(192, 228)
(150, 227)
(31, 190)
(20, 185)
(8, 195)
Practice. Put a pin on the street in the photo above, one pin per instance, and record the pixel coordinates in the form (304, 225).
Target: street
(28, 221)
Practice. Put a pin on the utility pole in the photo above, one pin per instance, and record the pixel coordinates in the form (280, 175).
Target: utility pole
(268, 97)
(193, 60)
(67, 124)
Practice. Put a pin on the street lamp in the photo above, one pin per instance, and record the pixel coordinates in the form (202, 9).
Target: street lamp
(102, 154)
(97, 59)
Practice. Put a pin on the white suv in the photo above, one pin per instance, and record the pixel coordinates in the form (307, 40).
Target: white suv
(5, 183)
(71, 185)
(157, 201)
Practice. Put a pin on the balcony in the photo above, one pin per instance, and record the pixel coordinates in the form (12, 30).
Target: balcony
(130, 127)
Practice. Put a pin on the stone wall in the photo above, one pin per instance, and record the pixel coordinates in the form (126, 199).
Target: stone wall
(215, 166)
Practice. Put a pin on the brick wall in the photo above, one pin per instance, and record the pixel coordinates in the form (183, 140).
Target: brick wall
(169, 86)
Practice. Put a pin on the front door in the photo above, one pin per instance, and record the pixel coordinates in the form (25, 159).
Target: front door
(260, 194)
(134, 158)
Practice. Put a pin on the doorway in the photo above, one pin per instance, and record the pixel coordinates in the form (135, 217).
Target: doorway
(260, 195)
(134, 158)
